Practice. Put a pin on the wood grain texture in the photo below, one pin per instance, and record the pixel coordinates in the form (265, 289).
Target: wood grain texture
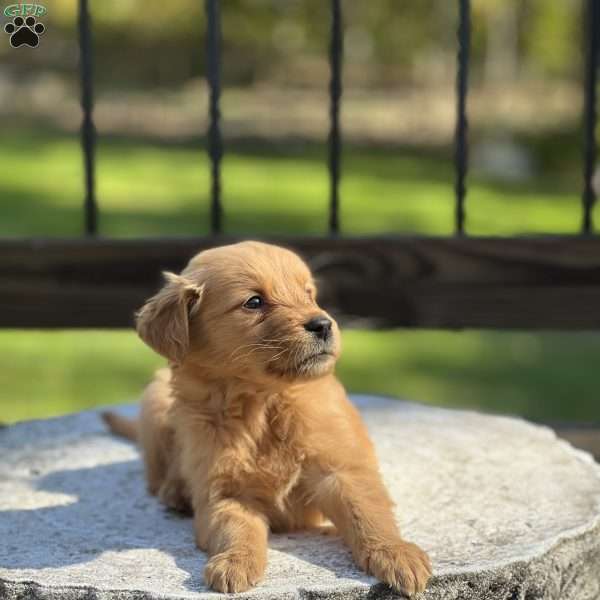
(520, 283)
(585, 436)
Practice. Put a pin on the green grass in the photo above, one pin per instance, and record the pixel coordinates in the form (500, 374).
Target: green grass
(542, 376)
(146, 189)
(149, 189)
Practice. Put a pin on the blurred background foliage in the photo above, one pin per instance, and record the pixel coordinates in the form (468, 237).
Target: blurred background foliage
(262, 38)
(398, 121)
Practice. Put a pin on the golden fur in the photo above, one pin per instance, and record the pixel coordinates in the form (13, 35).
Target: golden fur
(249, 428)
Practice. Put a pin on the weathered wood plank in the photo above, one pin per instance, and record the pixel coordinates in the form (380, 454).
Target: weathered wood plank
(581, 435)
(528, 283)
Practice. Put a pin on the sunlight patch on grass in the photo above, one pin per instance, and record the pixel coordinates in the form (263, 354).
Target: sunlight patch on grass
(146, 189)
(542, 376)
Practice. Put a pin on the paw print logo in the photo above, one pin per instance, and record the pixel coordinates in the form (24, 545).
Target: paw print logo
(24, 32)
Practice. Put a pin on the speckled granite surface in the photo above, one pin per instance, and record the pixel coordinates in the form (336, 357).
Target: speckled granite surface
(504, 508)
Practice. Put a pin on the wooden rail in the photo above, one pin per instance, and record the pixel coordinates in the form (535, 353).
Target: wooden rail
(585, 436)
(528, 283)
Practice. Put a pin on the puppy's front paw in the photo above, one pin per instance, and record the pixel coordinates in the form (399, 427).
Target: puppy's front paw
(402, 565)
(233, 571)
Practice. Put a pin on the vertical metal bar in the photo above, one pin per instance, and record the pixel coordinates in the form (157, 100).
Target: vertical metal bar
(461, 147)
(592, 30)
(336, 50)
(88, 132)
(215, 142)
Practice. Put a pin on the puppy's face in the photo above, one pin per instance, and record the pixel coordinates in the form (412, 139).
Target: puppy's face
(249, 310)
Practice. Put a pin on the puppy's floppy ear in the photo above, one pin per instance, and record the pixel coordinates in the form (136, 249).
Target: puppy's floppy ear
(163, 322)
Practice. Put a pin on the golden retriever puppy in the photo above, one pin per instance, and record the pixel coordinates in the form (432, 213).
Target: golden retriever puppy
(249, 428)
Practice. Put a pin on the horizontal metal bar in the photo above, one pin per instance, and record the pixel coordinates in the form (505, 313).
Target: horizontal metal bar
(526, 283)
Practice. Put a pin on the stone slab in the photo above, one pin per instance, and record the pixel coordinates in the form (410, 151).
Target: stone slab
(505, 509)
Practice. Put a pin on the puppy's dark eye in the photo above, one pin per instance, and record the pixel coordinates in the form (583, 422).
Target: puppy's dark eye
(254, 303)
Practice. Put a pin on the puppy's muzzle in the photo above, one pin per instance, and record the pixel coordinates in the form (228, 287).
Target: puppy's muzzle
(320, 327)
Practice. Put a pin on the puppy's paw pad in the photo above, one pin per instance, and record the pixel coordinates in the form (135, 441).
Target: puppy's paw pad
(402, 565)
(233, 572)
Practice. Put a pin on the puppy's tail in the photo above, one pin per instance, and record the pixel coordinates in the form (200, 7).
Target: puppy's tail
(127, 428)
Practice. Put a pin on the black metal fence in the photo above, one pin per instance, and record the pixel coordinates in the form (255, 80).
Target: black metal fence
(542, 282)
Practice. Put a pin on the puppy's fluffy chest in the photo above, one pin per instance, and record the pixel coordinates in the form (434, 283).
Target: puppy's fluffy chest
(260, 444)
(254, 442)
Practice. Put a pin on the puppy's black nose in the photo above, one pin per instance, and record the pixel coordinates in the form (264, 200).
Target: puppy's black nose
(320, 326)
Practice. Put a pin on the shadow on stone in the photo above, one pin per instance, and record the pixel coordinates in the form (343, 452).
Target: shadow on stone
(105, 510)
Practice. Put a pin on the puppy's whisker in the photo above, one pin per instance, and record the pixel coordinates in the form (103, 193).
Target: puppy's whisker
(296, 356)
(253, 346)
(252, 350)
(278, 355)
(240, 348)
(285, 338)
